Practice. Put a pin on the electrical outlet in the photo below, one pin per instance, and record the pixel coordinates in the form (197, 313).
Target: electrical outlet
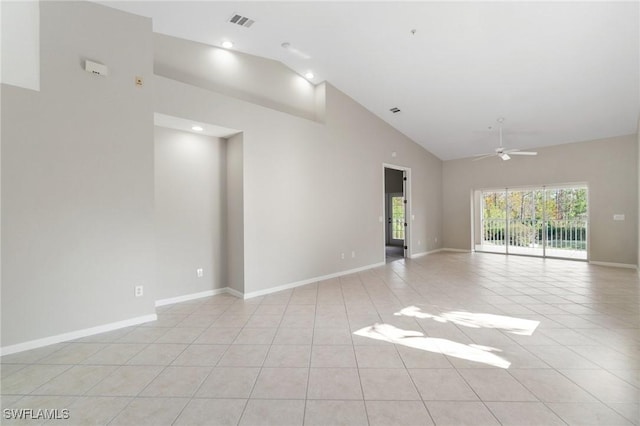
(139, 291)
(435, 239)
(418, 242)
(353, 254)
(342, 256)
(199, 273)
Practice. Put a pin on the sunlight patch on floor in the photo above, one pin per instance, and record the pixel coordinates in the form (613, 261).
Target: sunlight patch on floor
(513, 325)
(417, 340)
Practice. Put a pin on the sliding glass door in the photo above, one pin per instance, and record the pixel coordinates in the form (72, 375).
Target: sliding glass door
(526, 221)
(494, 222)
(543, 221)
(566, 230)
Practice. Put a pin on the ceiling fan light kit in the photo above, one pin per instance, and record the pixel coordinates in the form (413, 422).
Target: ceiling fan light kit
(500, 152)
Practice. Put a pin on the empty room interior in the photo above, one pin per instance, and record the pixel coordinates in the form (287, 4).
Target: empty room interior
(320, 213)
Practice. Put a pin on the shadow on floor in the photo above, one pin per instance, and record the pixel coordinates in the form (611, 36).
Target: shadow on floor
(394, 253)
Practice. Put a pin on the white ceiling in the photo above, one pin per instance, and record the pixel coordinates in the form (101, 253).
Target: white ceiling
(558, 72)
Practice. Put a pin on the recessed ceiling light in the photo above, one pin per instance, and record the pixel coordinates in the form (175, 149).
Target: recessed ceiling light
(227, 44)
(197, 129)
(308, 75)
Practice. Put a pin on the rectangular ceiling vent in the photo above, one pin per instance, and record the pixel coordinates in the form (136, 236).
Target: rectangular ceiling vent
(243, 21)
(395, 110)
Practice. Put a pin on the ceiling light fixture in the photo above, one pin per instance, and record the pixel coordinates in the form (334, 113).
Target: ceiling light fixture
(308, 75)
(197, 129)
(227, 44)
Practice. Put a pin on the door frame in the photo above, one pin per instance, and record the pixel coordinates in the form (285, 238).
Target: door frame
(407, 210)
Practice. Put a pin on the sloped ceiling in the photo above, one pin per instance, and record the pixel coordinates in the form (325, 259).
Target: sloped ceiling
(558, 72)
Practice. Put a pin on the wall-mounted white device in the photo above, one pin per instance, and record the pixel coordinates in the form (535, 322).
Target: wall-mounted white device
(95, 68)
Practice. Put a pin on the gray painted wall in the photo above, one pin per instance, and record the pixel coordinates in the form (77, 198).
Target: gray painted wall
(190, 212)
(77, 178)
(254, 79)
(608, 166)
(313, 191)
(78, 183)
(235, 214)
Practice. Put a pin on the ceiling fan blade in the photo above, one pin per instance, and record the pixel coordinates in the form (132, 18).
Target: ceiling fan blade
(485, 154)
(482, 156)
(523, 153)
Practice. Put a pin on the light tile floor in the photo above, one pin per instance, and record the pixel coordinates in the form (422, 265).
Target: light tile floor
(459, 339)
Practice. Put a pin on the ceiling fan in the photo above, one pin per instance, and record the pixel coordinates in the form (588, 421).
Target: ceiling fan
(501, 152)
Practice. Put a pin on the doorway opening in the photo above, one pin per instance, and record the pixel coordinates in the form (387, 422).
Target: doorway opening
(539, 221)
(396, 211)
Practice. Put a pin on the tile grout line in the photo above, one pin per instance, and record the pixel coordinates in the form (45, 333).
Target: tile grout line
(313, 334)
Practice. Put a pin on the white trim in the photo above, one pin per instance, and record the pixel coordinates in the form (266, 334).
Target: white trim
(234, 292)
(425, 253)
(612, 264)
(72, 335)
(309, 281)
(192, 296)
(455, 250)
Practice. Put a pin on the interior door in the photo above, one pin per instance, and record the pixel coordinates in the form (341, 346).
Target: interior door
(395, 219)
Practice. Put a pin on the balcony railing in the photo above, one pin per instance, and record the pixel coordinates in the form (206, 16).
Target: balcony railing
(564, 234)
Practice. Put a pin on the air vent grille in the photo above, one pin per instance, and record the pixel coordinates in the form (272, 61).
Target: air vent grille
(243, 21)
(395, 110)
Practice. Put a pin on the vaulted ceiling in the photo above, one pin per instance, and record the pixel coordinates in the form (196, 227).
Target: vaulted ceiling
(558, 72)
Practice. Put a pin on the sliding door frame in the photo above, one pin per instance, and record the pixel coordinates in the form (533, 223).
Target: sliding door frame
(477, 203)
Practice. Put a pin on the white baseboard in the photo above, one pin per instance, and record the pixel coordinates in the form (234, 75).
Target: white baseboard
(78, 334)
(192, 296)
(425, 253)
(234, 292)
(309, 281)
(455, 250)
(613, 264)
